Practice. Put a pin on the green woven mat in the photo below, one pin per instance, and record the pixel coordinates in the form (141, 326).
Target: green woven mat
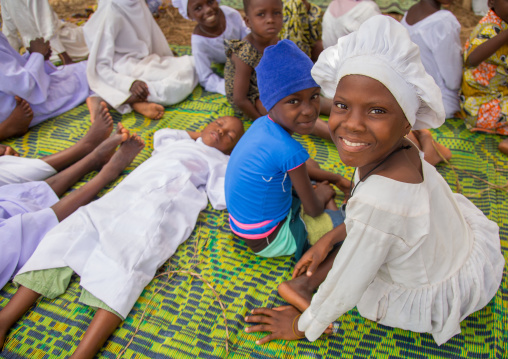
(182, 315)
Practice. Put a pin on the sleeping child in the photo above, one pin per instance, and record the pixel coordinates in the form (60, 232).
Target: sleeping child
(215, 25)
(117, 243)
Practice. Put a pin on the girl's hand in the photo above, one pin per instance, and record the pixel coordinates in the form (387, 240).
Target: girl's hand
(324, 191)
(8, 151)
(140, 90)
(281, 322)
(40, 46)
(313, 257)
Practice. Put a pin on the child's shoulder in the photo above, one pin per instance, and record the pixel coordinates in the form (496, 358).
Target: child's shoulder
(244, 50)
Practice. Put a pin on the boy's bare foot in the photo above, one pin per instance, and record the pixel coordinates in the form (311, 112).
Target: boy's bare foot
(17, 123)
(434, 152)
(128, 150)
(94, 104)
(503, 146)
(296, 292)
(151, 110)
(105, 150)
(101, 127)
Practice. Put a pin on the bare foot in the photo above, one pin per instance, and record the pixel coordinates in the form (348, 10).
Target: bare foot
(128, 150)
(503, 146)
(296, 292)
(17, 123)
(101, 127)
(105, 151)
(434, 152)
(8, 151)
(151, 110)
(94, 104)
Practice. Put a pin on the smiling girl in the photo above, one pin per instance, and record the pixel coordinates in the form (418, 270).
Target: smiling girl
(215, 24)
(415, 255)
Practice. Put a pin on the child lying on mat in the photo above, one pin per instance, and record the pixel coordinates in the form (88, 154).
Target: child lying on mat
(215, 24)
(267, 161)
(415, 255)
(116, 243)
(48, 90)
(30, 188)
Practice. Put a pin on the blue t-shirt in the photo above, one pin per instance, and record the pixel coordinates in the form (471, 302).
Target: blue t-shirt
(258, 187)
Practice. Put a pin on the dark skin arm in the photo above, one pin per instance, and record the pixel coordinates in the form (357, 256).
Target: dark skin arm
(66, 59)
(140, 90)
(241, 86)
(487, 49)
(319, 175)
(313, 200)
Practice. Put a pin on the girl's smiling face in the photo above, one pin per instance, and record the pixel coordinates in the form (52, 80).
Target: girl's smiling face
(205, 12)
(366, 121)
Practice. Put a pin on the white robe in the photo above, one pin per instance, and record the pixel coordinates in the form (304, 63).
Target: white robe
(25, 213)
(50, 91)
(117, 242)
(416, 257)
(336, 27)
(207, 50)
(438, 37)
(126, 44)
(36, 18)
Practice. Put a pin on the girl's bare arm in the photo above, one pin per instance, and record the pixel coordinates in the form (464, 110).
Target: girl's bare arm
(241, 86)
(487, 49)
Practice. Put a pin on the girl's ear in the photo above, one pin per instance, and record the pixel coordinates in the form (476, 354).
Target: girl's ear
(246, 20)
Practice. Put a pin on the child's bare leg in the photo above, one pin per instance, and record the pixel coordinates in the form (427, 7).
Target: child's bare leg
(111, 170)
(321, 130)
(98, 132)
(151, 110)
(14, 310)
(434, 152)
(503, 146)
(326, 106)
(102, 326)
(16, 124)
(298, 291)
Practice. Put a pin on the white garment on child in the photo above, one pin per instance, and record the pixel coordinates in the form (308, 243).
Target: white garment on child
(117, 242)
(14, 169)
(438, 37)
(207, 50)
(336, 27)
(126, 44)
(49, 90)
(25, 213)
(36, 18)
(416, 257)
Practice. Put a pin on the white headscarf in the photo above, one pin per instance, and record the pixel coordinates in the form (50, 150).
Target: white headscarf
(181, 5)
(382, 49)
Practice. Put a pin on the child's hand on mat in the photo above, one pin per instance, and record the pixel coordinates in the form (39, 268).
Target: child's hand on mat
(8, 151)
(281, 322)
(140, 90)
(40, 46)
(313, 257)
(324, 191)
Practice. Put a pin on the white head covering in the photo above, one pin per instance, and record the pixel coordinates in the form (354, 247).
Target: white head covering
(382, 49)
(181, 5)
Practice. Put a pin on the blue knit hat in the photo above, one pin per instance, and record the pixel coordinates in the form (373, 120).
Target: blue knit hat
(283, 70)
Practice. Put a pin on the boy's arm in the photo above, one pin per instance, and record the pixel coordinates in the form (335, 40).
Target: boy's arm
(487, 49)
(313, 200)
(241, 84)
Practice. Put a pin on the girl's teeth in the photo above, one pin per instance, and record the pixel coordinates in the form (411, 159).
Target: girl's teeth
(353, 144)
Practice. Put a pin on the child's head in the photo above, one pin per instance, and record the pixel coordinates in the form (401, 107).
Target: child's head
(223, 133)
(500, 7)
(380, 91)
(205, 12)
(286, 87)
(263, 17)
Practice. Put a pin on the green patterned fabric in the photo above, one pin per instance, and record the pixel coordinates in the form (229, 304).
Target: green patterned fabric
(183, 318)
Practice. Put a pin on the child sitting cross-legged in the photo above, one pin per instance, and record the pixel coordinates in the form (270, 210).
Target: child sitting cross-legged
(484, 91)
(215, 24)
(415, 255)
(117, 243)
(268, 161)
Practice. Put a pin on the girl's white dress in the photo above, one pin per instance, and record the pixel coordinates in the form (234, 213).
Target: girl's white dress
(126, 44)
(207, 50)
(336, 27)
(117, 243)
(438, 37)
(416, 257)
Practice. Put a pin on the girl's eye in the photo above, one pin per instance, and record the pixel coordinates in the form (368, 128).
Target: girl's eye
(341, 106)
(293, 101)
(315, 96)
(377, 111)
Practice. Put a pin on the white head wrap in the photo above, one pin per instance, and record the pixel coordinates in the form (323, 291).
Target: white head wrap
(181, 5)
(381, 49)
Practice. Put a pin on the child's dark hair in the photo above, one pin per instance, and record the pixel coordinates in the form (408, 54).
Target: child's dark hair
(246, 4)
